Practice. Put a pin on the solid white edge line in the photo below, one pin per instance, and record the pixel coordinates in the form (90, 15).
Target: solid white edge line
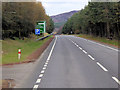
(52, 49)
(91, 57)
(41, 75)
(116, 80)
(35, 86)
(84, 51)
(100, 44)
(102, 67)
(38, 81)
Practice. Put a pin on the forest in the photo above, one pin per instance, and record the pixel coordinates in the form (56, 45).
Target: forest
(19, 19)
(99, 19)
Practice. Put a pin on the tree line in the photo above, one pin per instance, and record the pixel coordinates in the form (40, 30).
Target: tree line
(96, 19)
(19, 19)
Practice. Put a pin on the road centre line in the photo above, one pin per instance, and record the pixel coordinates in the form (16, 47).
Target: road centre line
(80, 48)
(116, 80)
(84, 51)
(102, 67)
(91, 57)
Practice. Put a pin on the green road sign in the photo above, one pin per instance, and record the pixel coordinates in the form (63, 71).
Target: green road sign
(42, 26)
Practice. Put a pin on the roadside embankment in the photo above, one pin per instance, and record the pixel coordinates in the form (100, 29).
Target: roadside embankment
(30, 50)
(114, 43)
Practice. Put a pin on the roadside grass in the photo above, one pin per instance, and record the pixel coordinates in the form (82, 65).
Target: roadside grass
(28, 46)
(101, 39)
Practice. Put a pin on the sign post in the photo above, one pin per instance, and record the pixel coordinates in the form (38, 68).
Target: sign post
(41, 25)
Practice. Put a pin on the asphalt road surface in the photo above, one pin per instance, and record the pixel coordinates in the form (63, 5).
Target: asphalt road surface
(73, 62)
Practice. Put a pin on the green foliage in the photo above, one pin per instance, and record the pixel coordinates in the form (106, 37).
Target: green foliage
(28, 46)
(58, 25)
(19, 18)
(50, 26)
(97, 19)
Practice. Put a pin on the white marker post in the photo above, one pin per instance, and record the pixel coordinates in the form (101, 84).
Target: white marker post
(19, 54)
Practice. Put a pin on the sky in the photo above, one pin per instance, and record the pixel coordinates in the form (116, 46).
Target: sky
(54, 7)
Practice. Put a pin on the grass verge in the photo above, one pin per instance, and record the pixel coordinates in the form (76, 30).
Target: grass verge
(114, 43)
(10, 49)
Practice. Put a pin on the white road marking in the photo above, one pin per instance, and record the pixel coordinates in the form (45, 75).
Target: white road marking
(45, 65)
(80, 48)
(41, 75)
(38, 81)
(91, 57)
(52, 49)
(44, 68)
(42, 71)
(84, 51)
(77, 45)
(104, 46)
(102, 67)
(35, 86)
(47, 61)
(101, 45)
(116, 80)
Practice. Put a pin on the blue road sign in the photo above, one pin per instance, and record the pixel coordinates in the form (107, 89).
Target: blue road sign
(37, 31)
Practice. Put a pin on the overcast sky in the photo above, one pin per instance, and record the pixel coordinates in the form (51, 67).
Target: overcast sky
(54, 7)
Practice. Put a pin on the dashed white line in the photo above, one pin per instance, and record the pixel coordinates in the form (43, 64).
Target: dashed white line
(80, 48)
(45, 65)
(47, 61)
(41, 75)
(35, 86)
(84, 51)
(38, 81)
(42, 71)
(44, 68)
(102, 67)
(52, 49)
(91, 57)
(101, 45)
(116, 80)
(77, 45)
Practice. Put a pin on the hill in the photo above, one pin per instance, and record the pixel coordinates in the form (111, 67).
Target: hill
(60, 19)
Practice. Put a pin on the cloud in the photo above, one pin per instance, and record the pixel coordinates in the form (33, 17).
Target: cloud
(54, 7)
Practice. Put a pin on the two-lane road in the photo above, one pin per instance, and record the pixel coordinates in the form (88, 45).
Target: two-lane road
(71, 62)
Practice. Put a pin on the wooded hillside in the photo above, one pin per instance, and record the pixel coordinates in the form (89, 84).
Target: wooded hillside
(96, 19)
(19, 18)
